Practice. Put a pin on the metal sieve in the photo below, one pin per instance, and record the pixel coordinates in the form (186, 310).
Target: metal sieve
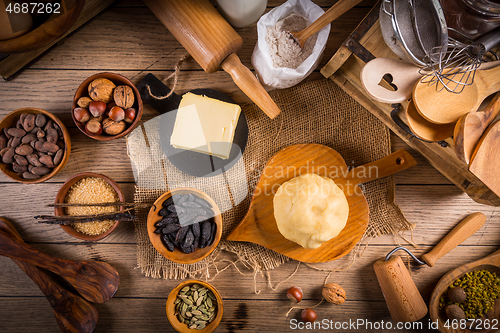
(412, 28)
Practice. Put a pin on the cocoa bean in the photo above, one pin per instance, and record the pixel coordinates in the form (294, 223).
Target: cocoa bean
(40, 120)
(3, 151)
(9, 143)
(8, 155)
(29, 175)
(16, 132)
(50, 153)
(30, 167)
(29, 122)
(48, 146)
(51, 135)
(7, 135)
(60, 143)
(41, 171)
(3, 141)
(28, 138)
(39, 146)
(35, 130)
(47, 160)
(33, 160)
(42, 140)
(49, 124)
(22, 117)
(24, 149)
(19, 124)
(15, 142)
(21, 160)
(19, 168)
(40, 134)
(32, 144)
(58, 156)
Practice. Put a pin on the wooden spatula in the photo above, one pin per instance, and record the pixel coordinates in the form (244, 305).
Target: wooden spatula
(470, 127)
(485, 161)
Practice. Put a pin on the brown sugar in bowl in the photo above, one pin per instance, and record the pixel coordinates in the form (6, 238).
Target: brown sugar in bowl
(61, 195)
(11, 119)
(117, 79)
(178, 256)
(183, 328)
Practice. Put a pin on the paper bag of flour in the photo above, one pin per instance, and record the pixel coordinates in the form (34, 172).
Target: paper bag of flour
(273, 49)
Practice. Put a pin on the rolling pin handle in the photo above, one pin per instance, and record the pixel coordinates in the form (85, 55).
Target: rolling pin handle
(249, 84)
(456, 236)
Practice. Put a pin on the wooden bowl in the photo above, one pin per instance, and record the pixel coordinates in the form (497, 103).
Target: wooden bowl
(181, 327)
(61, 195)
(48, 32)
(117, 79)
(178, 256)
(10, 121)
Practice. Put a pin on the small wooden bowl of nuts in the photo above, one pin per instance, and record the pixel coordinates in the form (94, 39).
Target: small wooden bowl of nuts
(89, 188)
(202, 315)
(184, 225)
(107, 106)
(34, 145)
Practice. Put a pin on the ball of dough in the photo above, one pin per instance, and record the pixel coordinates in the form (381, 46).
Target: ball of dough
(310, 210)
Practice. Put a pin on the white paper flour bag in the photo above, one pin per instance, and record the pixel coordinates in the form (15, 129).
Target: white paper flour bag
(283, 77)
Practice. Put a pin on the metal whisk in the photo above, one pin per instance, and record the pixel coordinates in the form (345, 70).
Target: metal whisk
(453, 66)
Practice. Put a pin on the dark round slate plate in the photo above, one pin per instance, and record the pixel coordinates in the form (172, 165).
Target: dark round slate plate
(197, 164)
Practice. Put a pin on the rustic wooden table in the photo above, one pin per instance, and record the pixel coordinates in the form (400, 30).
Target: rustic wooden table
(128, 39)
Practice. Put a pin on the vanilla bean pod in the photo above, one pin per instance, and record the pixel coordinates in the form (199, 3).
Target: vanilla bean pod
(103, 204)
(68, 219)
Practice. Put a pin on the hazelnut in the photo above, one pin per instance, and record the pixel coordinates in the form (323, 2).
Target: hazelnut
(97, 108)
(333, 293)
(93, 127)
(101, 90)
(84, 102)
(130, 115)
(457, 295)
(294, 294)
(81, 115)
(112, 127)
(116, 113)
(124, 96)
(308, 315)
(453, 311)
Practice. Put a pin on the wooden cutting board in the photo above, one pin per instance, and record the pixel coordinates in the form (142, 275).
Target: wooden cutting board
(486, 158)
(259, 225)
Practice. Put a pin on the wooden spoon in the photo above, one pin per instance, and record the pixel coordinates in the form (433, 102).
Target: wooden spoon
(470, 127)
(96, 281)
(491, 263)
(425, 129)
(73, 313)
(331, 14)
(444, 107)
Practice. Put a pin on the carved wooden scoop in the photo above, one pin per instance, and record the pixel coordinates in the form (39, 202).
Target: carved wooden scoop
(73, 313)
(96, 281)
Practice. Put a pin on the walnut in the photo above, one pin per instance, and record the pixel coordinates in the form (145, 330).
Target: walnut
(124, 97)
(333, 293)
(101, 90)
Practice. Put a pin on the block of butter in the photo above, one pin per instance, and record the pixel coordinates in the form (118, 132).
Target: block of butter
(205, 125)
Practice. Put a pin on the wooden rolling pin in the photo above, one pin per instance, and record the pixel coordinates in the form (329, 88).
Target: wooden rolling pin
(212, 42)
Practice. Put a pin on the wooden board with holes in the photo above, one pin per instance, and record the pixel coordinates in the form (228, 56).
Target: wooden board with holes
(365, 44)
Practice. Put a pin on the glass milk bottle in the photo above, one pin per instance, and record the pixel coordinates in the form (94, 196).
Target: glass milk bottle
(241, 13)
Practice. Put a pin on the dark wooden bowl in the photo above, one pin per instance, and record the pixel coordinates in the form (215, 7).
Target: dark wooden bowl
(46, 33)
(181, 327)
(10, 120)
(117, 79)
(61, 195)
(178, 256)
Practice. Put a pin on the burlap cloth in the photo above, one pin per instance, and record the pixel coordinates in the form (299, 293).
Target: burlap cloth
(313, 112)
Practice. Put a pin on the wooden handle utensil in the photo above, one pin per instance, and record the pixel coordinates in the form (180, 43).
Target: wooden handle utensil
(331, 14)
(73, 313)
(466, 228)
(96, 281)
(212, 42)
